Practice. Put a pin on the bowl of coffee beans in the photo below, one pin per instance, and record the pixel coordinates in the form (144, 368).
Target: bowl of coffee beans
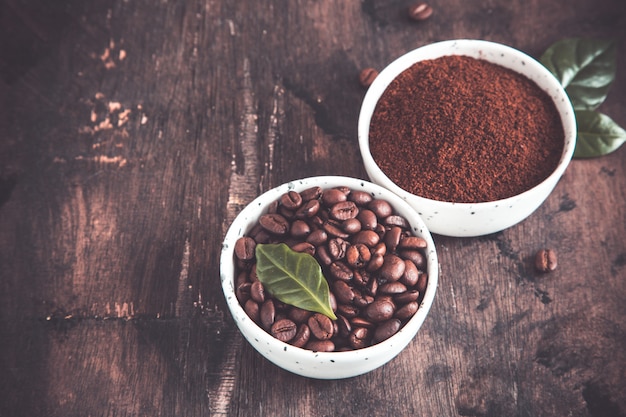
(473, 134)
(329, 277)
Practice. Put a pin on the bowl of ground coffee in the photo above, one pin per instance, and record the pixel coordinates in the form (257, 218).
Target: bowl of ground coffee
(329, 277)
(473, 134)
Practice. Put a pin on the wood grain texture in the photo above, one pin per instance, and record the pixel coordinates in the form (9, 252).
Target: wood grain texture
(133, 132)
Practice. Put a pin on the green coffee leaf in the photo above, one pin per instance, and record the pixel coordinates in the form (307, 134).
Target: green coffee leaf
(598, 134)
(294, 278)
(585, 68)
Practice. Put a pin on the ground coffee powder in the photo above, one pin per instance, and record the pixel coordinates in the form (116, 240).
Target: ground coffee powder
(462, 129)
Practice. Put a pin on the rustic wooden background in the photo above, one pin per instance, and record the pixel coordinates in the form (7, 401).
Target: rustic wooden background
(133, 131)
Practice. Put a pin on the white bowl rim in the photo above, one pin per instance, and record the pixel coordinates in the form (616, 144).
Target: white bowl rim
(391, 71)
(346, 357)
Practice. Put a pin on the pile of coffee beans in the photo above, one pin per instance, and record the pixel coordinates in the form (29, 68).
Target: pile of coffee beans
(374, 265)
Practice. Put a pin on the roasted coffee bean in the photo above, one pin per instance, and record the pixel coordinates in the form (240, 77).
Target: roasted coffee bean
(344, 210)
(344, 327)
(291, 200)
(320, 346)
(372, 287)
(351, 226)
(411, 273)
(420, 11)
(244, 248)
(381, 229)
(408, 310)
(317, 237)
(298, 315)
(415, 255)
(412, 242)
(395, 220)
(257, 292)
(392, 238)
(343, 292)
(335, 230)
(243, 292)
(267, 314)
(274, 223)
(393, 268)
(407, 297)
(308, 209)
(362, 299)
(341, 271)
(393, 288)
(361, 198)
(367, 76)
(358, 255)
(262, 237)
(361, 322)
(321, 326)
(323, 256)
(333, 196)
(386, 329)
(304, 247)
(359, 338)
(376, 261)
(422, 282)
(252, 310)
(337, 248)
(333, 302)
(360, 277)
(380, 310)
(302, 337)
(381, 208)
(284, 330)
(368, 219)
(379, 249)
(545, 260)
(312, 193)
(348, 310)
(300, 229)
(367, 237)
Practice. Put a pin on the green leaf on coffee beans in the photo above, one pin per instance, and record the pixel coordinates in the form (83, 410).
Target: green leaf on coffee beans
(598, 134)
(585, 68)
(294, 278)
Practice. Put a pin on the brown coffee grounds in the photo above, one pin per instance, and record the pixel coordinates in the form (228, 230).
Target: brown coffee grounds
(465, 130)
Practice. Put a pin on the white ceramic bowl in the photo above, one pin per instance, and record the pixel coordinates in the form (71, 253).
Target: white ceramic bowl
(324, 365)
(471, 219)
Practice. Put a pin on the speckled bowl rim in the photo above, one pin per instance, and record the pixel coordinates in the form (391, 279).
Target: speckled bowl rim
(389, 73)
(380, 353)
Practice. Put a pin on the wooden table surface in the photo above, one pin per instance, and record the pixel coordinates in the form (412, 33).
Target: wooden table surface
(133, 132)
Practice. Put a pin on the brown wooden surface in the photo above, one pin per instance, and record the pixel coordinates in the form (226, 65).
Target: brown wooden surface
(131, 134)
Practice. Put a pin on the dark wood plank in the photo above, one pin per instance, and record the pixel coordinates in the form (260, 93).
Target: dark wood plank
(132, 133)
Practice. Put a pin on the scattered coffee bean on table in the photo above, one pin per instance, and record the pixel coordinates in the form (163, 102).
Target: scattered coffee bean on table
(367, 76)
(374, 265)
(420, 11)
(545, 260)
